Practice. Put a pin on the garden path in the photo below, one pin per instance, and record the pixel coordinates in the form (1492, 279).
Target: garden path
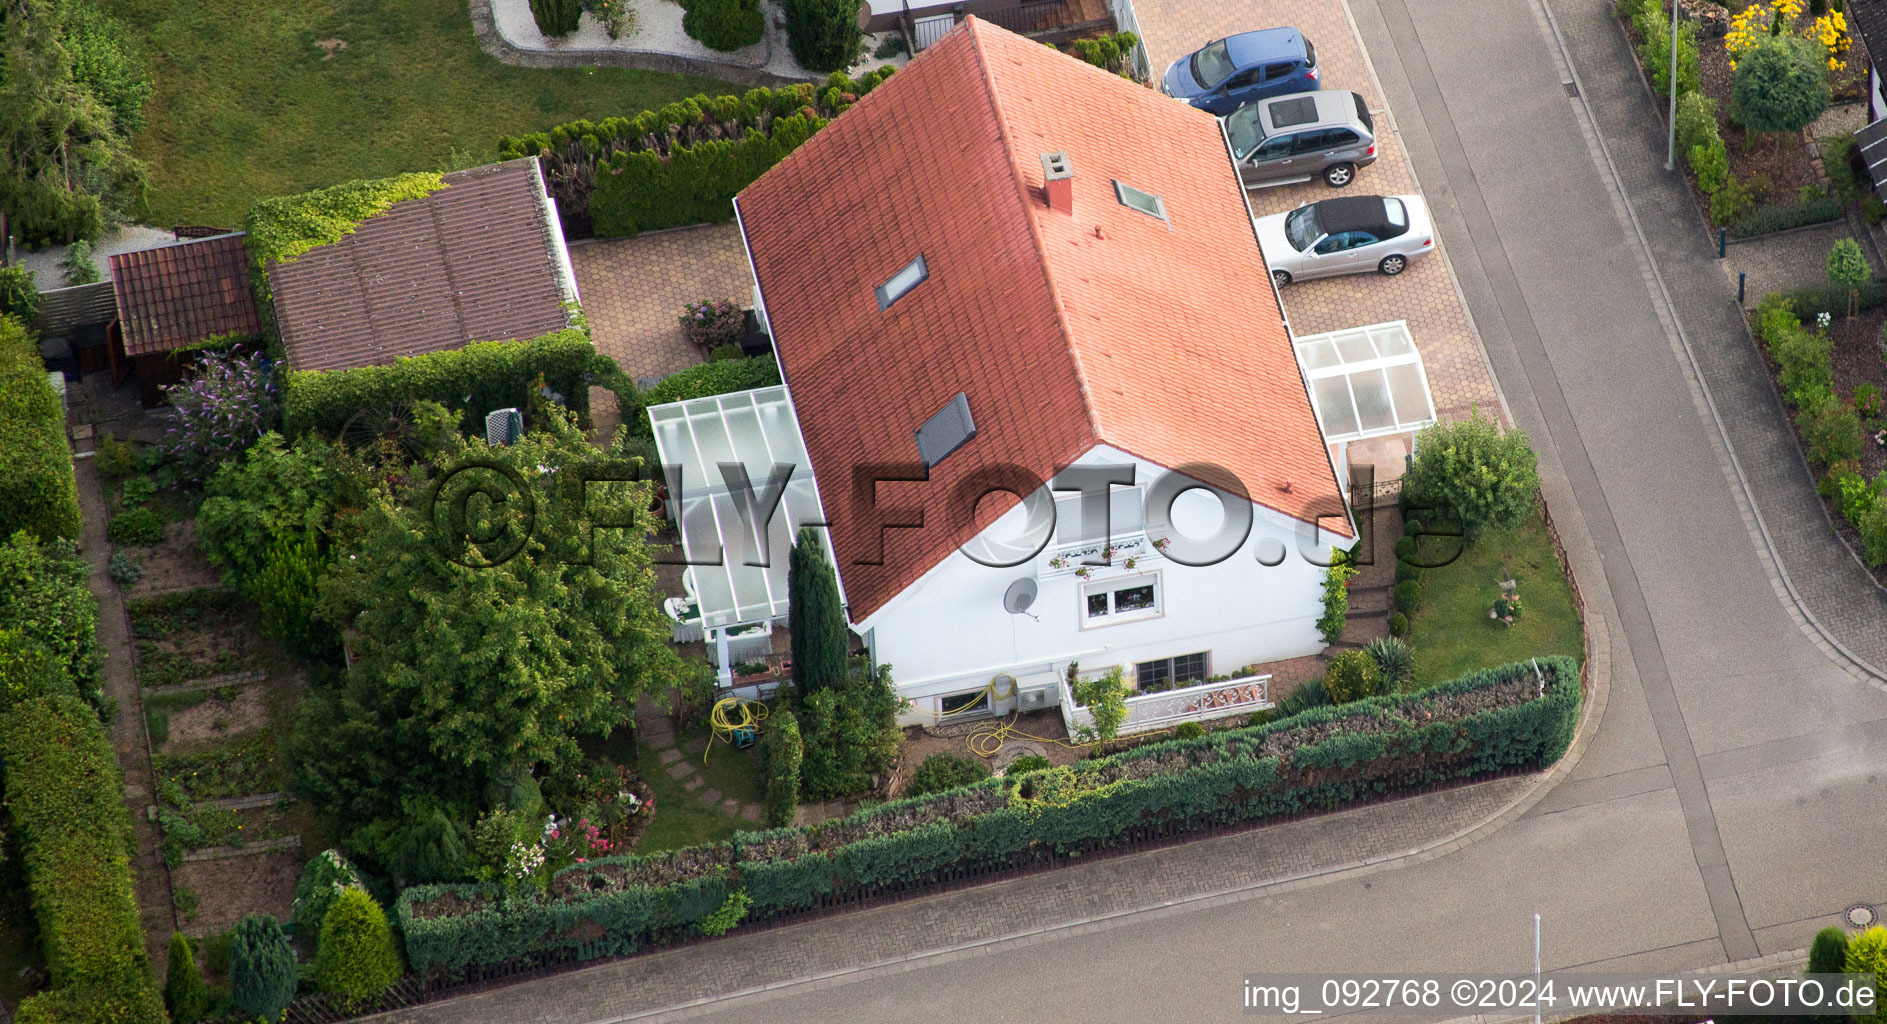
(658, 731)
(127, 726)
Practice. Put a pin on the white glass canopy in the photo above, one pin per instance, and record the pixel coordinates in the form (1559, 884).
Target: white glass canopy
(737, 578)
(1366, 382)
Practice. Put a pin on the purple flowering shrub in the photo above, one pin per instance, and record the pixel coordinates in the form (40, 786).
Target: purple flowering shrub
(227, 402)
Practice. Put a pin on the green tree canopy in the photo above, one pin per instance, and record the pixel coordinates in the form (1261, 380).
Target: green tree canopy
(1847, 266)
(1475, 474)
(357, 957)
(489, 636)
(262, 971)
(1780, 84)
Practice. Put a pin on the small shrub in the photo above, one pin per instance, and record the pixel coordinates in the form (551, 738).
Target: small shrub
(1867, 954)
(218, 951)
(1476, 474)
(1828, 954)
(1408, 596)
(158, 722)
(184, 994)
(1394, 660)
(725, 353)
(889, 47)
(947, 770)
(1352, 675)
(731, 912)
(712, 323)
(556, 17)
(1873, 210)
(1780, 84)
(357, 958)
(1406, 571)
(124, 568)
(1696, 122)
(76, 266)
(224, 405)
(1258, 718)
(113, 457)
(724, 24)
(136, 527)
(1830, 430)
(262, 971)
(1711, 161)
(187, 902)
(1867, 400)
(1406, 549)
(1847, 267)
(1309, 694)
(1030, 763)
(1399, 625)
(782, 751)
(19, 297)
(823, 34)
(1873, 528)
(1730, 202)
(1188, 731)
(326, 875)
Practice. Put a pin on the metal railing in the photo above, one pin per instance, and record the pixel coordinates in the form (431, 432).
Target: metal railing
(1149, 711)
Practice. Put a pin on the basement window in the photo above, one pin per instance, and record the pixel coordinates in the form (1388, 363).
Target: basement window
(1135, 199)
(901, 283)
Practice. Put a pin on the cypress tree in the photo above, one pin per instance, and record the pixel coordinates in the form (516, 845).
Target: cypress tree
(821, 645)
(184, 994)
(262, 972)
(1829, 953)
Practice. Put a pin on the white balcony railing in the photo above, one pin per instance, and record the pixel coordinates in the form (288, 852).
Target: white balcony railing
(1202, 702)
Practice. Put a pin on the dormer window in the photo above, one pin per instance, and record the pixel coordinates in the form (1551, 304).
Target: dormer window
(1135, 199)
(902, 282)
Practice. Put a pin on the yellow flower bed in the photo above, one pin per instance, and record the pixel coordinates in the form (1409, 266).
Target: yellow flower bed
(1830, 30)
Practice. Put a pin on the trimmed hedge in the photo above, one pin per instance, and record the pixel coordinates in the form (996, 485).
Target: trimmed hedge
(48, 607)
(642, 191)
(700, 381)
(37, 489)
(65, 799)
(1479, 724)
(497, 374)
(1765, 220)
(576, 156)
(1832, 301)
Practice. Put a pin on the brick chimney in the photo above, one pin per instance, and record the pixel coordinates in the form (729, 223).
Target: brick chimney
(1059, 174)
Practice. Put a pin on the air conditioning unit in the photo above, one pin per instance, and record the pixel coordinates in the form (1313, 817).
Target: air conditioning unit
(1038, 691)
(503, 426)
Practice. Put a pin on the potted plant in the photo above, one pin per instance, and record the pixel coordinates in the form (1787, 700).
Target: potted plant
(1058, 562)
(1131, 562)
(1162, 543)
(1084, 572)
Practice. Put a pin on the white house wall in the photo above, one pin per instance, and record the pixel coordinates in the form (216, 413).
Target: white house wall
(948, 633)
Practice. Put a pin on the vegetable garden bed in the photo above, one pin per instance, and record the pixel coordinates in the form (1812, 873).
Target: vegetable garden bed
(192, 635)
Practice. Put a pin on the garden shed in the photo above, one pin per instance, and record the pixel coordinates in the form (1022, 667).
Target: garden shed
(173, 296)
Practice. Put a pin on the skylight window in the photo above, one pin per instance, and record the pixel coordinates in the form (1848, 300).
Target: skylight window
(901, 283)
(1134, 199)
(951, 428)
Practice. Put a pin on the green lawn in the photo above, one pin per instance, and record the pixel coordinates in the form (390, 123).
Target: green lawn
(251, 103)
(680, 818)
(1451, 632)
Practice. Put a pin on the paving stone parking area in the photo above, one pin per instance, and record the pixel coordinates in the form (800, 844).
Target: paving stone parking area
(1425, 294)
(634, 288)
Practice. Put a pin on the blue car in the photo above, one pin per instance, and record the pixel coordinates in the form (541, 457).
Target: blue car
(1225, 75)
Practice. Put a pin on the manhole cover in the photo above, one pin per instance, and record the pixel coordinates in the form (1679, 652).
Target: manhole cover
(1861, 916)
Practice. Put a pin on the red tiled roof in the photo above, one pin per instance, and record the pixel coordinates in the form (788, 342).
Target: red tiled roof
(1161, 338)
(177, 295)
(473, 261)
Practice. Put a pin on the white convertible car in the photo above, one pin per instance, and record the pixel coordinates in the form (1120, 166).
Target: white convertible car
(1350, 235)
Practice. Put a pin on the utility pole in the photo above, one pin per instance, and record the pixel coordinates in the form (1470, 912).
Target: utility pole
(1670, 147)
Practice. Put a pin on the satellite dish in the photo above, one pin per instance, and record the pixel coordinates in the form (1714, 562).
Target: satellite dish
(1020, 596)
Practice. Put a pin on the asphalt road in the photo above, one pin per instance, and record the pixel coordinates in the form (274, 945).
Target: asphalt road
(1730, 803)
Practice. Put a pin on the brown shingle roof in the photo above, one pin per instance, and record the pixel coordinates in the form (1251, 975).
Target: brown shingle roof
(176, 295)
(1161, 337)
(474, 261)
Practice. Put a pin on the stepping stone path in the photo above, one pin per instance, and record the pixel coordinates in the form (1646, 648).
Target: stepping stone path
(658, 731)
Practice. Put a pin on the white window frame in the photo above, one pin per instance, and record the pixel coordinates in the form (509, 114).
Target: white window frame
(1122, 191)
(901, 283)
(1114, 584)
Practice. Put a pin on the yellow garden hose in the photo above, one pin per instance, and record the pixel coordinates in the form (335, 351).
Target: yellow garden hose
(731, 715)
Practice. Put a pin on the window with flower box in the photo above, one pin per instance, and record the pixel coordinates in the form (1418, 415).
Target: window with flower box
(1122, 599)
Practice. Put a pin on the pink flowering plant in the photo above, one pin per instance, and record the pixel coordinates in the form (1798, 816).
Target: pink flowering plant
(573, 841)
(228, 401)
(712, 323)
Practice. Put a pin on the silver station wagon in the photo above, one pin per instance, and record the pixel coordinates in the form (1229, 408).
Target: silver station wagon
(1327, 134)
